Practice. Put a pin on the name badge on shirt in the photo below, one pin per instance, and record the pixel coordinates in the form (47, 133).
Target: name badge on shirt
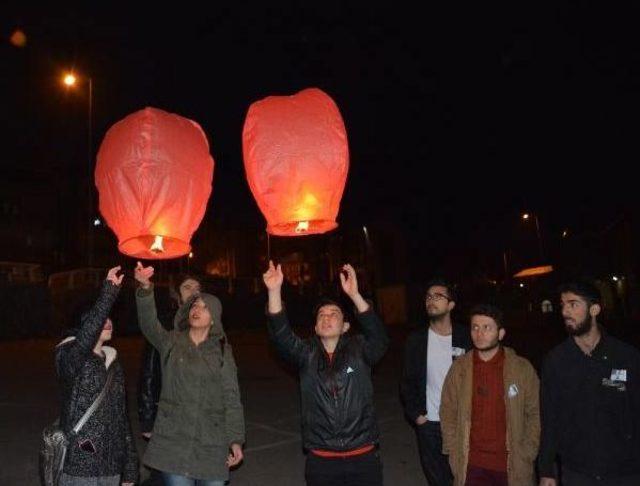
(618, 385)
(457, 352)
(513, 390)
(618, 375)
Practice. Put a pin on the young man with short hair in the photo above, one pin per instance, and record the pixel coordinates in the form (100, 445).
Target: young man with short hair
(339, 428)
(489, 413)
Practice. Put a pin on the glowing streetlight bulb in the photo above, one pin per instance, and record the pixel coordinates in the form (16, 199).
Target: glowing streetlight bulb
(18, 38)
(69, 79)
(525, 216)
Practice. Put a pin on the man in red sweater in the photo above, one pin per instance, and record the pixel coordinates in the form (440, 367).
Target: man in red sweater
(489, 411)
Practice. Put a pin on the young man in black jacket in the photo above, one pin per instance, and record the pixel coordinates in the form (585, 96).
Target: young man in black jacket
(339, 428)
(590, 400)
(429, 353)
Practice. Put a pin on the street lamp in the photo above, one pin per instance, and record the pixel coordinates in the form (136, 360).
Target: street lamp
(525, 217)
(70, 80)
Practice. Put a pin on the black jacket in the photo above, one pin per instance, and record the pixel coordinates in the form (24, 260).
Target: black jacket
(413, 384)
(149, 386)
(337, 396)
(82, 375)
(590, 411)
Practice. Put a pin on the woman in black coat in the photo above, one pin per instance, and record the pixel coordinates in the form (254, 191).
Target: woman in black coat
(103, 452)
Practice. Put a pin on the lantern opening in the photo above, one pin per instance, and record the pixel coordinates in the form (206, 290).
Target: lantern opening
(157, 245)
(142, 246)
(303, 227)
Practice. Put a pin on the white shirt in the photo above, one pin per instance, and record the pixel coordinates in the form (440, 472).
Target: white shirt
(439, 359)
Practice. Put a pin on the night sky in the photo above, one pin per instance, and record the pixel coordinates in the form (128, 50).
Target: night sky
(458, 117)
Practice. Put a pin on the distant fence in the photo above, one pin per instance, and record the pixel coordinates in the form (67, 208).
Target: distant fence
(20, 273)
(25, 310)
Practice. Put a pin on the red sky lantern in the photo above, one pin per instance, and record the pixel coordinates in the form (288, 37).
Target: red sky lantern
(154, 175)
(296, 158)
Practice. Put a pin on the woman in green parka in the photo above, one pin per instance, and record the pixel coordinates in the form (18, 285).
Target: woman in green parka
(199, 430)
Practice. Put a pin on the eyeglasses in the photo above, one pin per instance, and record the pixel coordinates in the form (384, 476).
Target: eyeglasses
(188, 286)
(436, 297)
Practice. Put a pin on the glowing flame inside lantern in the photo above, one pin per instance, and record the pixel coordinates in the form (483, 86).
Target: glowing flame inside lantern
(303, 226)
(307, 208)
(157, 245)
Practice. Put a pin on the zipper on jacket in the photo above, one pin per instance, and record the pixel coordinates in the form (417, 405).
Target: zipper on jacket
(334, 391)
(338, 417)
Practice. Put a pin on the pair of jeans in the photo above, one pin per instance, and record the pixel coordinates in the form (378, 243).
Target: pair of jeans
(154, 479)
(362, 470)
(435, 464)
(67, 480)
(479, 476)
(171, 479)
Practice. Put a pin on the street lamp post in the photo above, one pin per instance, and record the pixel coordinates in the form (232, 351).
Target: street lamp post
(70, 80)
(526, 217)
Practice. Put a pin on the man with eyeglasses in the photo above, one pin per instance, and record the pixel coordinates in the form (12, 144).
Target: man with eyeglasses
(590, 400)
(429, 353)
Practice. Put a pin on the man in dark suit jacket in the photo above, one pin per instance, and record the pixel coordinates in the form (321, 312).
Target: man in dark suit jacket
(429, 353)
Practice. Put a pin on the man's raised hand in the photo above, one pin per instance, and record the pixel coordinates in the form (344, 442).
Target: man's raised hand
(349, 280)
(273, 277)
